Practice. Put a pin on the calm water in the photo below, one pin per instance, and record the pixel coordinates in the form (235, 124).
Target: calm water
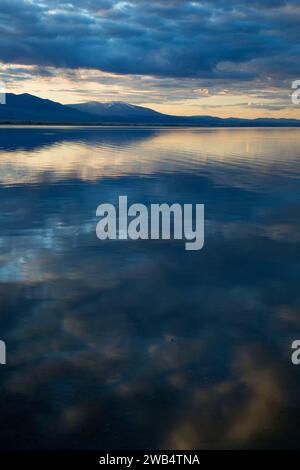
(123, 344)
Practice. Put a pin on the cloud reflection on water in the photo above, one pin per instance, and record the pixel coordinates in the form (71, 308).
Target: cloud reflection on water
(139, 344)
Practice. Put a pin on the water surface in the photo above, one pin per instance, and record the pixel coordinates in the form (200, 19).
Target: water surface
(141, 344)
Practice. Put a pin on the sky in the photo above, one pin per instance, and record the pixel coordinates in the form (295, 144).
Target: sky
(221, 57)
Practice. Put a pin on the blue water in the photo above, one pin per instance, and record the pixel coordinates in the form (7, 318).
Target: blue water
(141, 344)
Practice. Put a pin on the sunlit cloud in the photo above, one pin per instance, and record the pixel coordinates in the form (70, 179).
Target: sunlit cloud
(179, 57)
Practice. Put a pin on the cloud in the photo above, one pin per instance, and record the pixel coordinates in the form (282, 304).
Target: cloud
(180, 38)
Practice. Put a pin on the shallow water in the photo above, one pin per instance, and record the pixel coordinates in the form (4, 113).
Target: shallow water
(141, 344)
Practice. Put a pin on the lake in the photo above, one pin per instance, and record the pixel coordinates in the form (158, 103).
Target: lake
(141, 344)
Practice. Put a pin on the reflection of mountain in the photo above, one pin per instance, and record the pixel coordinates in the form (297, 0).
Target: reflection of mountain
(240, 158)
(35, 138)
(29, 109)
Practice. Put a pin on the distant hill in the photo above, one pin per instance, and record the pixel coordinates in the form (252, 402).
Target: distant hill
(120, 112)
(118, 109)
(29, 109)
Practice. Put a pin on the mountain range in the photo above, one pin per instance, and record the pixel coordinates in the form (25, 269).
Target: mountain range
(30, 109)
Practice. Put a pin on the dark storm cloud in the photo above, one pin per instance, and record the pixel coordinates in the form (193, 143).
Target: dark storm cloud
(177, 38)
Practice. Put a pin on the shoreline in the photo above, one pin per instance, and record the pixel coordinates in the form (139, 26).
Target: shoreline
(143, 126)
